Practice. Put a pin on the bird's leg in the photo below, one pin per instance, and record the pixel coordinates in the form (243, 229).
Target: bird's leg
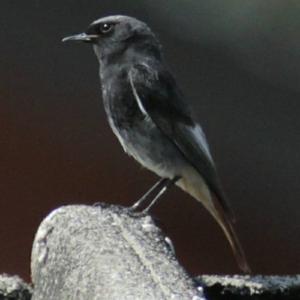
(167, 185)
(159, 184)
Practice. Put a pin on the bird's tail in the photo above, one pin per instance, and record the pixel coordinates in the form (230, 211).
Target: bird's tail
(225, 222)
(193, 184)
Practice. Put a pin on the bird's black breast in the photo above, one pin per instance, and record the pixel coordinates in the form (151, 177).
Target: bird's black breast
(119, 102)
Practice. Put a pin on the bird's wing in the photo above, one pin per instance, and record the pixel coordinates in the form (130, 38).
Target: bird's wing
(158, 97)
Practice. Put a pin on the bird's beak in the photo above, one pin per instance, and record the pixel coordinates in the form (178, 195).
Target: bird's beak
(82, 37)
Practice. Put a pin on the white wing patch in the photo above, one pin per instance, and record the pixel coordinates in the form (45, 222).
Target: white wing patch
(200, 138)
(137, 97)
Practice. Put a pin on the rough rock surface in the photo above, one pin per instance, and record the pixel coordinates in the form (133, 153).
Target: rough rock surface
(105, 252)
(14, 288)
(250, 287)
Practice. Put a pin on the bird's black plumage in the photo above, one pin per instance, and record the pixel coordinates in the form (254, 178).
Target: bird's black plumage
(157, 90)
(147, 112)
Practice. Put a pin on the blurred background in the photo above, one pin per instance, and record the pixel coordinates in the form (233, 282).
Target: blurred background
(238, 63)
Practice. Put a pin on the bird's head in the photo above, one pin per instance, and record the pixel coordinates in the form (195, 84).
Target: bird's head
(115, 36)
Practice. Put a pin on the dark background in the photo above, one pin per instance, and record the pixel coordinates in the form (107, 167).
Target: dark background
(238, 63)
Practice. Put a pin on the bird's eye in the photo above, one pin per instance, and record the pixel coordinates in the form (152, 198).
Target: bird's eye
(105, 28)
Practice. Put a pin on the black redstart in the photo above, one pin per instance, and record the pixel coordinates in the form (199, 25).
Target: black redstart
(147, 112)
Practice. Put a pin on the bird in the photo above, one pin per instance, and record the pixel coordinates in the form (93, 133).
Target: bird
(147, 112)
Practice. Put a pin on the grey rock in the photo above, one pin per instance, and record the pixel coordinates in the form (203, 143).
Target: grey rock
(14, 288)
(250, 287)
(105, 252)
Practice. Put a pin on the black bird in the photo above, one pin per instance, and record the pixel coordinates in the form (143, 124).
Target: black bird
(147, 112)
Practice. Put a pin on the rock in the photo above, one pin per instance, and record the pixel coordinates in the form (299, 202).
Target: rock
(14, 288)
(250, 287)
(105, 252)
